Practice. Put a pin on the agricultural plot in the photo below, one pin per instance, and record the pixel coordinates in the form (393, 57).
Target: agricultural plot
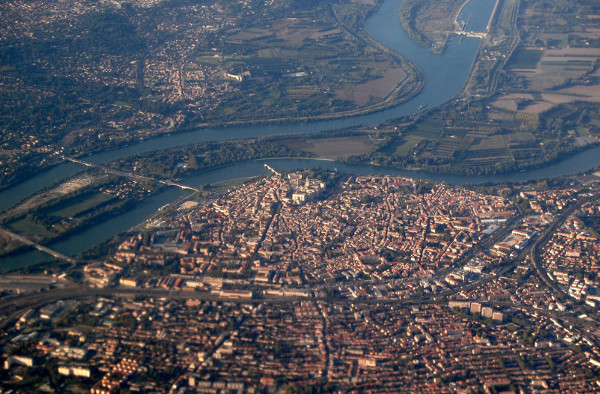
(525, 58)
(457, 133)
(509, 101)
(523, 146)
(363, 93)
(589, 93)
(557, 66)
(429, 128)
(294, 32)
(490, 143)
(582, 132)
(448, 146)
(335, 148)
(248, 34)
(301, 92)
(518, 138)
(486, 157)
(407, 143)
(303, 67)
(499, 115)
(560, 75)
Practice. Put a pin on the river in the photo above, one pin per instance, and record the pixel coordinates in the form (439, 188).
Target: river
(445, 75)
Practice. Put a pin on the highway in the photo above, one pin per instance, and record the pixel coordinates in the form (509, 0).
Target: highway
(534, 255)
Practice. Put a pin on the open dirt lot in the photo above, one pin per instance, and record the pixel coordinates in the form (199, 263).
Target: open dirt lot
(558, 65)
(555, 68)
(293, 32)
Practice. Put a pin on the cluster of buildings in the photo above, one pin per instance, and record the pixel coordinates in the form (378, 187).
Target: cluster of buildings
(259, 291)
(544, 202)
(170, 59)
(294, 231)
(476, 307)
(169, 67)
(572, 256)
(189, 346)
(515, 242)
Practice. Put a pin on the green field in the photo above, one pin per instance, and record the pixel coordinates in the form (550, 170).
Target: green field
(408, 142)
(84, 205)
(518, 138)
(592, 222)
(27, 226)
(429, 128)
(569, 62)
(493, 142)
(209, 60)
(525, 58)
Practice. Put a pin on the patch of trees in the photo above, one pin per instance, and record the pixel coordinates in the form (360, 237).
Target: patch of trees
(178, 162)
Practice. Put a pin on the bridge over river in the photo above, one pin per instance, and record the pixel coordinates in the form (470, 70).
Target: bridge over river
(39, 247)
(132, 175)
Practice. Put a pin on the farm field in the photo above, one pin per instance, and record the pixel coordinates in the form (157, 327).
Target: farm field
(335, 148)
(306, 66)
(378, 88)
(406, 144)
(554, 76)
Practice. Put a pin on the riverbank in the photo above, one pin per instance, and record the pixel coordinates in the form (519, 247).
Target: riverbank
(115, 225)
(437, 19)
(443, 77)
(430, 93)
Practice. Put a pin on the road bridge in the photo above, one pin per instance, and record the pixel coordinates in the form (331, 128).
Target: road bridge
(274, 171)
(39, 247)
(131, 175)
